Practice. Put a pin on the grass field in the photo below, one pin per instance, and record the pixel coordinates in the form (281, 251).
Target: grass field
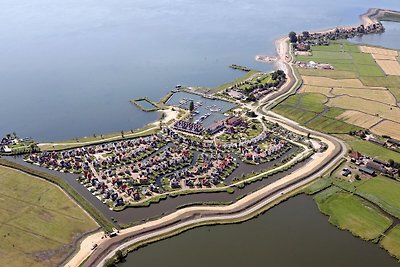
(384, 192)
(327, 125)
(294, 114)
(248, 75)
(388, 128)
(358, 118)
(344, 56)
(367, 97)
(352, 213)
(366, 106)
(38, 221)
(371, 149)
(309, 109)
(391, 242)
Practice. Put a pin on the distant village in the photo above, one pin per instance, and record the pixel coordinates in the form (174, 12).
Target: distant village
(11, 144)
(183, 156)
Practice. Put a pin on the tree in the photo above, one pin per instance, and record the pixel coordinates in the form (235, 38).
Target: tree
(109, 263)
(391, 162)
(191, 106)
(306, 34)
(119, 255)
(292, 37)
(122, 134)
(357, 177)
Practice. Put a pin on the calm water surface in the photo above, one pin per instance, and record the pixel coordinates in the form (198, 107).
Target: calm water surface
(69, 67)
(294, 233)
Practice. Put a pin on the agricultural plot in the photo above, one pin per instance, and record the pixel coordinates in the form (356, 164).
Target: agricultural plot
(391, 242)
(301, 116)
(39, 222)
(383, 96)
(383, 57)
(390, 67)
(327, 125)
(352, 213)
(335, 74)
(309, 109)
(378, 50)
(329, 82)
(368, 106)
(371, 149)
(389, 128)
(383, 192)
(316, 89)
(358, 118)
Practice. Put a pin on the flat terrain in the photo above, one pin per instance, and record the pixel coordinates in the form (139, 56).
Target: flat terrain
(364, 207)
(384, 192)
(364, 85)
(371, 149)
(38, 222)
(391, 242)
(310, 109)
(352, 213)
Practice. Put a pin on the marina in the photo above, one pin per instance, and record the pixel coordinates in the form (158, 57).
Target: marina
(206, 111)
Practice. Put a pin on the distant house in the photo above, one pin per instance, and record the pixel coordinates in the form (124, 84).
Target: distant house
(367, 171)
(376, 166)
(376, 141)
(216, 127)
(236, 94)
(394, 142)
(356, 155)
(234, 121)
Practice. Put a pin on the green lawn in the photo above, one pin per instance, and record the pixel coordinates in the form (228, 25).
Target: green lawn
(238, 80)
(344, 57)
(303, 108)
(294, 114)
(352, 213)
(335, 74)
(392, 242)
(333, 112)
(327, 125)
(371, 149)
(384, 192)
(38, 221)
(312, 102)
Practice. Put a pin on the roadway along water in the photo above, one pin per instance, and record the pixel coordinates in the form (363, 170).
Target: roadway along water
(293, 233)
(69, 68)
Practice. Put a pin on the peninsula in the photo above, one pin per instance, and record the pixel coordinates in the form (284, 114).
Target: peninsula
(226, 154)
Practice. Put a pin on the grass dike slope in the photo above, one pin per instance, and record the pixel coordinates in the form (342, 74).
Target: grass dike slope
(39, 222)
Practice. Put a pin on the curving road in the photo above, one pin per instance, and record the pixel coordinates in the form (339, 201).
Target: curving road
(246, 206)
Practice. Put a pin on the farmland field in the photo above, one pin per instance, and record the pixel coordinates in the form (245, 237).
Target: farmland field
(391, 242)
(38, 221)
(367, 106)
(358, 118)
(384, 192)
(352, 213)
(371, 149)
(389, 128)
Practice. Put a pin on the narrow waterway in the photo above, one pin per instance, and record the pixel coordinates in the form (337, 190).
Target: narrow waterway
(293, 233)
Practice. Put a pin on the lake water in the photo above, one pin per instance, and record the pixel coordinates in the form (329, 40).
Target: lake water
(390, 38)
(69, 68)
(294, 233)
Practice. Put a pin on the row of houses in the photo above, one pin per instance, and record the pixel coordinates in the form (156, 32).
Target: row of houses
(373, 166)
(306, 39)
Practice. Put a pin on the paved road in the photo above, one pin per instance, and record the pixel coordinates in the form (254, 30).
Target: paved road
(246, 206)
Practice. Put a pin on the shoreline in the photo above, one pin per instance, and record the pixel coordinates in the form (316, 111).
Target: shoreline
(284, 59)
